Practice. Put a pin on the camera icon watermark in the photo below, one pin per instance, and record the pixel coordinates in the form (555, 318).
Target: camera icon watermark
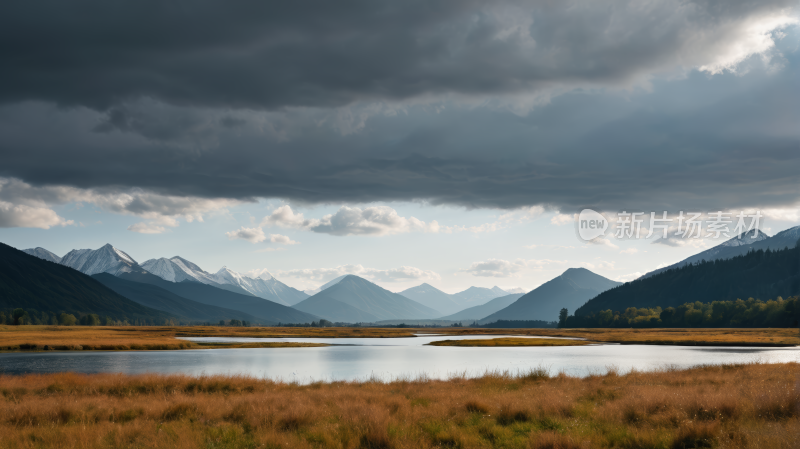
(591, 225)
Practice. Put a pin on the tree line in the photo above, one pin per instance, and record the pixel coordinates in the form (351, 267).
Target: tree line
(737, 313)
(757, 274)
(19, 316)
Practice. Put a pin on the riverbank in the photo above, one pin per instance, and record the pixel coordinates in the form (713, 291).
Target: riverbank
(108, 338)
(743, 406)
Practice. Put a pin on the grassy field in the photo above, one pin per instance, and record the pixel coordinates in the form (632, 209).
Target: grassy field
(701, 337)
(490, 342)
(38, 338)
(744, 406)
(76, 338)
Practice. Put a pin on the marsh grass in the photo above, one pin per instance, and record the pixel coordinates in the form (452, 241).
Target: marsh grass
(107, 338)
(730, 406)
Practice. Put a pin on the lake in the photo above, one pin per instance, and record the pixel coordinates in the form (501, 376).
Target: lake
(385, 358)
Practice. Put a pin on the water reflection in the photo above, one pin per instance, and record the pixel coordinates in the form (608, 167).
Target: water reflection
(387, 359)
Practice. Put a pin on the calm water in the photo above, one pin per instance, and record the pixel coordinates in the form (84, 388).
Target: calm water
(385, 358)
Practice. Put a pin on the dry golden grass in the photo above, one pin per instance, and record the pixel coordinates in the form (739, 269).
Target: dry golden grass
(490, 342)
(700, 337)
(736, 406)
(15, 338)
(76, 338)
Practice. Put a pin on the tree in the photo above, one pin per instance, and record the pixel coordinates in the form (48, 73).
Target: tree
(221, 322)
(562, 317)
(67, 319)
(19, 316)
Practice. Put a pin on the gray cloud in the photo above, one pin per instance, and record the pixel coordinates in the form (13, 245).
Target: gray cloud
(271, 55)
(365, 102)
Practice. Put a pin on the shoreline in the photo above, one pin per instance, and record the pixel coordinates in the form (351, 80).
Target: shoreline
(103, 338)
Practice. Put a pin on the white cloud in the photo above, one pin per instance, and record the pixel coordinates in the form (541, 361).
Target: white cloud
(504, 268)
(252, 235)
(602, 265)
(754, 36)
(285, 218)
(374, 220)
(27, 200)
(269, 249)
(282, 239)
(629, 251)
(402, 273)
(562, 219)
(262, 273)
(24, 216)
(146, 228)
(790, 214)
(629, 277)
(602, 242)
(496, 268)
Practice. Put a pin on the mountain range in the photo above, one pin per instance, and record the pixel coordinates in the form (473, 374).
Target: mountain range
(737, 246)
(266, 311)
(354, 299)
(178, 269)
(176, 287)
(448, 304)
(30, 282)
(475, 313)
(570, 290)
(760, 274)
(157, 298)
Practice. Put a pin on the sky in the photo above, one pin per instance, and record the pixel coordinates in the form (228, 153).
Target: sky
(452, 143)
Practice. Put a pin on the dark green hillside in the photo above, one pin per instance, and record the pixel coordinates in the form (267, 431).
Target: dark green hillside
(28, 282)
(266, 311)
(160, 299)
(757, 274)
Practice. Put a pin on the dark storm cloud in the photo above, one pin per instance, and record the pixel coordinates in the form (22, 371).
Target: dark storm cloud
(382, 101)
(690, 146)
(320, 53)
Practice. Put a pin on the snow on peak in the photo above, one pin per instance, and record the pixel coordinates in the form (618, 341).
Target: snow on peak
(260, 274)
(162, 268)
(123, 255)
(745, 239)
(106, 259)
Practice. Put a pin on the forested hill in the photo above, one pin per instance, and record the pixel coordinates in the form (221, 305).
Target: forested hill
(758, 274)
(31, 283)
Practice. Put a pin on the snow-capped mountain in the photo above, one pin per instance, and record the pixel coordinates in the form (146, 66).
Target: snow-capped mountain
(42, 254)
(264, 286)
(103, 260)
(737, 246)
(178, 269)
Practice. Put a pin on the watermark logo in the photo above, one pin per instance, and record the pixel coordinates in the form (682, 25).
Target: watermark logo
(591, 224)
(685, 225)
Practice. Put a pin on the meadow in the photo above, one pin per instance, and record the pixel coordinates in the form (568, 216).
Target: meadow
(61, 338)
(729, 406)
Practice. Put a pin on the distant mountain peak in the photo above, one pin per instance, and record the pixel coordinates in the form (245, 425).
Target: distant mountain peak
(745, 239)
(42, 254)
(790, 233)
(106, 259)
